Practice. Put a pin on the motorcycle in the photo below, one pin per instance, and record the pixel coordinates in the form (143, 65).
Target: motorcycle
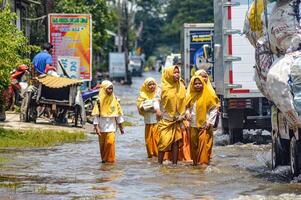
(90, 98)
(13, 95)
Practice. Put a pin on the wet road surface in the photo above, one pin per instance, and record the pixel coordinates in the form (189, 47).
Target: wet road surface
(75, 171)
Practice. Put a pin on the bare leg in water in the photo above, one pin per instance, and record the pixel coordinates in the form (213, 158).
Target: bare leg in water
(160, 157)
(175, 152)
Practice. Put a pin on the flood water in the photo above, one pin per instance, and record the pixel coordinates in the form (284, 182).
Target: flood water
(75, 171)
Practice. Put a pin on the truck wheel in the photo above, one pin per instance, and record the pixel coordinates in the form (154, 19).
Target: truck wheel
(277, 152)
(285, 150)
(235, 135)
(225, 128)
(295, 157)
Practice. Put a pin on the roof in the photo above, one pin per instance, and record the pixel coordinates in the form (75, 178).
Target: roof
(58, 82)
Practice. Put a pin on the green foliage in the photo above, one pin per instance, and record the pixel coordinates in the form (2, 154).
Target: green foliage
(13, 47)
(149, 13)
(37, 138)
(179, 12)
(163, 22)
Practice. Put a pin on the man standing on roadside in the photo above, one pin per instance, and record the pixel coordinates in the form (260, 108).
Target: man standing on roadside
(43, 62)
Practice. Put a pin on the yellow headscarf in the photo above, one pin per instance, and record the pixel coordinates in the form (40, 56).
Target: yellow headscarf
(109, 106)
(173, 93)
(145, 94)
(205, 101)
(202, 72)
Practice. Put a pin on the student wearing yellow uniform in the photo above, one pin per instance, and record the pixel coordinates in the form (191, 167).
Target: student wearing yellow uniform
(202, 111)
(205, 76)
(107, 114)
(148, 106)
(173, 113)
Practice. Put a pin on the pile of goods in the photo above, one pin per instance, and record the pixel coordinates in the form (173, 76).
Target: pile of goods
(273, 28)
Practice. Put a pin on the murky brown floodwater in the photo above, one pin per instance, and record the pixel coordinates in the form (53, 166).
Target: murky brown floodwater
(74, 171)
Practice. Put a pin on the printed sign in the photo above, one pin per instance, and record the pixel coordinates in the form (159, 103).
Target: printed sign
(70, 65)
(71, 36)
(199, 38)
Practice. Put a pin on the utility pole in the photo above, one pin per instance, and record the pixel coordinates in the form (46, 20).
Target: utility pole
(125, 40)
(119, 26)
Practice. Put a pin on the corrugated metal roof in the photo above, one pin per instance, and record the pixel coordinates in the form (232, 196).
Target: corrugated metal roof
(58, 82)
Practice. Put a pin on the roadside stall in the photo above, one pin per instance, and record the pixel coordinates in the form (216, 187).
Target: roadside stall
(56, 94)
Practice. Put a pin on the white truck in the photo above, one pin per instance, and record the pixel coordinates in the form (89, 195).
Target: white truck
(242, 104)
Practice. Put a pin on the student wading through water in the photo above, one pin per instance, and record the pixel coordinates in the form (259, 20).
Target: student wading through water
(148, 106)
(202, 111)
(173, 109)
(108, 114)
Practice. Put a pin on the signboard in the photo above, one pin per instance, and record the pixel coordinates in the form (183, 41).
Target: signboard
(199, 38)
(71, 66)
(116, 65)
(71, 36)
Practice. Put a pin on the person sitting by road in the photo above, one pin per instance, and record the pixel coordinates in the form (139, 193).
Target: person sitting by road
(202, 111)
(148, 106)
(43, 63)
(107, 114)
(173, 109)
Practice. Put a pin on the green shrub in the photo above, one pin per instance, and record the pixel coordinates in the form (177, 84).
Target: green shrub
(14, 48)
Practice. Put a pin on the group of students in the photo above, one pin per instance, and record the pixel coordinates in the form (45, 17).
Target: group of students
(179, 122)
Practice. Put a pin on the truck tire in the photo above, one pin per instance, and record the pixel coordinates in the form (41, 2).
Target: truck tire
(279, 151)
(275, 152)
(225, 128)
(295, 154)
(235, 135)
(235, 125)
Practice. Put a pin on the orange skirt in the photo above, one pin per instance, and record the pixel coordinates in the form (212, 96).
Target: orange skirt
(201, 143)
(184, 151)
(151, 140)
(107, 147)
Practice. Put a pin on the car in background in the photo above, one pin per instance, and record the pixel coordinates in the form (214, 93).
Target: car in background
(136, 65)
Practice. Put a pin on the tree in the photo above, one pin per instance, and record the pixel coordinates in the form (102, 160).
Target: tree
(163, 22)
(14, 48)
(179, 12)
(149, 17)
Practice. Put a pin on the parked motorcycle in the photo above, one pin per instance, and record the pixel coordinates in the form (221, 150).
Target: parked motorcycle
(18, 84)
(90, 98)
